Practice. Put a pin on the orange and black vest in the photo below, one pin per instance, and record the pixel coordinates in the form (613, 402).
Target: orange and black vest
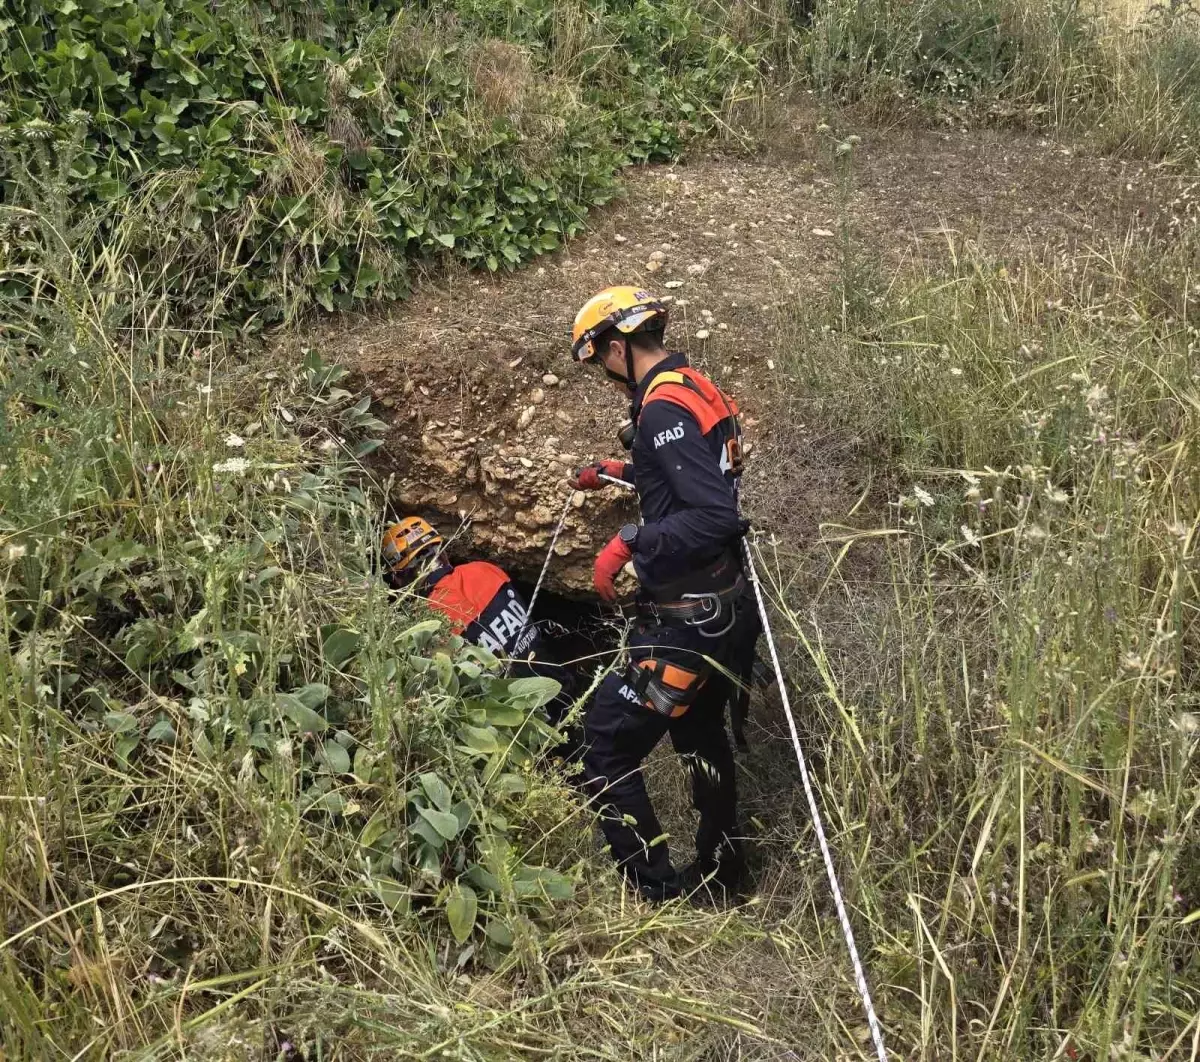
(713, 410)
(482, 605)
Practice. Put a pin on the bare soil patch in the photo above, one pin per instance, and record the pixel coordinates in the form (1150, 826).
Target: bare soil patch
(488, 414)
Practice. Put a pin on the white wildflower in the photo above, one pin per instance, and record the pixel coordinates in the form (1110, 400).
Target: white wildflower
(955, 371)
(14, 553)
(236, 465)
(923, 496)
(205, 389)
(234, 441)
(1055, 494)
(971, 538)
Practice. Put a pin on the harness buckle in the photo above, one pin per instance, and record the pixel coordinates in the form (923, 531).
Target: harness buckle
(715, 606)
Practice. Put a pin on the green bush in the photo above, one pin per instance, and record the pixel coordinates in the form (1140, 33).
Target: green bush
(285, 154)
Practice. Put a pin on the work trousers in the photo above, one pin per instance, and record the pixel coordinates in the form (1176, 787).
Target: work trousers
(620, 731)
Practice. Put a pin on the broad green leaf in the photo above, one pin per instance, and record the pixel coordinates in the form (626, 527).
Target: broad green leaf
(446, 239)
(504, 715)
(163, 731)
(464, 813)
(340, 645)
(392, 893)
(364, 762)
(376, 827)
(428, 834)
(125, 746)
(535, 691)
(442, 821)
(484, 879)
(306, 720)
(437, 791)
(509, 784)
(479, 739)
(120, 722)
(498, 933)
(461, 907)
(313, 695)
(336, 758)
(543, 881)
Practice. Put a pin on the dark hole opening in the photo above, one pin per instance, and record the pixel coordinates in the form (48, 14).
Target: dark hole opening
(573, 628)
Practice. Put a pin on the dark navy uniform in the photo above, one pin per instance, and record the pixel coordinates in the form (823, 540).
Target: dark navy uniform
(692, 605)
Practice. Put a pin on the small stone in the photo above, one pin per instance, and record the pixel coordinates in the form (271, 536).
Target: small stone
(703, 333)
(710, 235)
(695, 269)
(619, 238)
(525, 462)
(424, 390)
(456, 434)
(723, 326)
(653, 267)
(537, 396)
(673, 284)
(822, 232)
(549, 379)
(562, 416)
(657, 256)
(526, 418)
(578, 498)
(389, 402)
(771, 364)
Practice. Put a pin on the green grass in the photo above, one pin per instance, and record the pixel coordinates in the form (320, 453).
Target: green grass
(1003, 665)
(247, 801)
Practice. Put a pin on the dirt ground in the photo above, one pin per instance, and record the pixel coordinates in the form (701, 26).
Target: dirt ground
(488, 414)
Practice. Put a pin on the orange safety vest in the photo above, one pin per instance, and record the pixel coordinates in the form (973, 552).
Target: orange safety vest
(705, 401)
(481, 604)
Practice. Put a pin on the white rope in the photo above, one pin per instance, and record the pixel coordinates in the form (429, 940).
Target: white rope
(860, 978)
(542, 575)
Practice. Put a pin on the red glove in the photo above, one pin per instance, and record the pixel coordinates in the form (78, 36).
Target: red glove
(587, 478)
(611, 559)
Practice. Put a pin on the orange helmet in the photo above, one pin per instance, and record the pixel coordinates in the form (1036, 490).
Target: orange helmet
(404, 543)
(625, 308)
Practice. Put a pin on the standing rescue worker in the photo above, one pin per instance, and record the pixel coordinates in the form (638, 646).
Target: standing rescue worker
(692, 602)
(478, 599)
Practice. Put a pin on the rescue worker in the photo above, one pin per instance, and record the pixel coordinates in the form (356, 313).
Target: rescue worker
(692, 602)
(480, 602)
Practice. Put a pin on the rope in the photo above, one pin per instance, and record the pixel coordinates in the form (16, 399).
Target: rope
(537, 588)
(860, 978)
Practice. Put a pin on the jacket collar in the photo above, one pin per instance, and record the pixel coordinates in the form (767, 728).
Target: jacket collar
(671, 361)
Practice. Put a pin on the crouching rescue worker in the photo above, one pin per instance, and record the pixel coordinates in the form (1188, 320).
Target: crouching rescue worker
(692, 602)
(480, 602)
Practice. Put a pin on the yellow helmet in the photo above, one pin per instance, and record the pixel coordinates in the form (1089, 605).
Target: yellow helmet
(625, 308)
(405, 542)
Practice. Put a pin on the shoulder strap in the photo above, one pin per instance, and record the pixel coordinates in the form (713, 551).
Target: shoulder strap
(694, 392)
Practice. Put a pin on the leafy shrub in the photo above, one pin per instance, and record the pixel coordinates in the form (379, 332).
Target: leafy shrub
(287, 154)
(185, 562)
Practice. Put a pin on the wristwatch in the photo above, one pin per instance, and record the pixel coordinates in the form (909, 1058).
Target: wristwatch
(628, 534)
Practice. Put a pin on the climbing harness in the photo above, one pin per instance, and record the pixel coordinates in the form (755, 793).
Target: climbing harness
(860, 977)
(664, 687)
